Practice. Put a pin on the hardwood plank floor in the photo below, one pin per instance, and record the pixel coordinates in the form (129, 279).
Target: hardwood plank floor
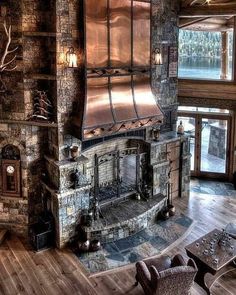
(59, 272)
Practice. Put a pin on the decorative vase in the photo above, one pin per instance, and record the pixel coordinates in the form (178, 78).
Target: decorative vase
(87, 219)
(180, 129)
(74, 152)
(171, 210)
(95, 245)
(155, 134)
(138, 197)
(165, 214)
(84, 245)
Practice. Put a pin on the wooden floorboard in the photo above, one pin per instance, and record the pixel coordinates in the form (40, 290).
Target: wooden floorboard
(3, 233)
(59, 272)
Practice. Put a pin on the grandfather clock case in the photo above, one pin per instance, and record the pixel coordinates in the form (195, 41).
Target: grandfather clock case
(11, 184)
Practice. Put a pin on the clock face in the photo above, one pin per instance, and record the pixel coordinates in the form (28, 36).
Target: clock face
(10, 169)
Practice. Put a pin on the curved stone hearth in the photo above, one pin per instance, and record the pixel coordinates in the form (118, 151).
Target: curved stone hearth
(152, 241)
(124, 219)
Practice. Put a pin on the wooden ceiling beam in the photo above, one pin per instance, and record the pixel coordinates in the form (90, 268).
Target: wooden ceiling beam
(207, 23)
(207, 89)
(208, 28)
(185, 22)
(208, 10)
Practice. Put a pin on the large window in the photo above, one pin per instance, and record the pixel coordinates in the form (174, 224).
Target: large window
(206, 55)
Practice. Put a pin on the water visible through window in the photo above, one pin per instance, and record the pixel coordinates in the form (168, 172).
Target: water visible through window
(200, 54)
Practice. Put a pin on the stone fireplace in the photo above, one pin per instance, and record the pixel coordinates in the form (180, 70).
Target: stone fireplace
(108, 107)
(127, 168)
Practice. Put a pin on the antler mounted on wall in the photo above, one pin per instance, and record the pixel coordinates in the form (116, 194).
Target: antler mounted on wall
(6, 62)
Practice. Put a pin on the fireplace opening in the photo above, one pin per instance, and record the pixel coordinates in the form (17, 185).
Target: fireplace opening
(127, 182)
(118, 175)
(129, 172)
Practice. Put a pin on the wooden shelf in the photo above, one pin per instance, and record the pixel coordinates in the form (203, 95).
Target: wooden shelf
(40, 76)
(31, 123)
(39, 34)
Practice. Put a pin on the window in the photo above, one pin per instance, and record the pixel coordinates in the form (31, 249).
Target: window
(206, 55)
(201, 109)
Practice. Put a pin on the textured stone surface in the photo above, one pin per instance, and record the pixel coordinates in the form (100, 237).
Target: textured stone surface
(217, 140)
(125, 219)
(16, 105)
(42, 66)
(69, 204)
(149, 242)
(164, 36)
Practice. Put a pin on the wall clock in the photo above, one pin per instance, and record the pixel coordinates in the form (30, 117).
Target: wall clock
(11, 178)
(10, 169)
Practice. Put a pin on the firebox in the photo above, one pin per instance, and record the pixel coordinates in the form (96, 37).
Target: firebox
(118, 175)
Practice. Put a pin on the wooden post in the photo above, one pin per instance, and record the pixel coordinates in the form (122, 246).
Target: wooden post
(234, 51)
(224, 56)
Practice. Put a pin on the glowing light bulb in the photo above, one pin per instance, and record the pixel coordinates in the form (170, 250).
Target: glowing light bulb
(71, 58)
(157, 57)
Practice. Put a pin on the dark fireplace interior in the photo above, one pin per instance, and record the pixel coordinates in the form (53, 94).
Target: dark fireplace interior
(118, 175)
(129, 171)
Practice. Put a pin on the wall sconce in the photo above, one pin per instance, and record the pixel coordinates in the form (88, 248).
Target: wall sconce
(71, 58)
(157, 57)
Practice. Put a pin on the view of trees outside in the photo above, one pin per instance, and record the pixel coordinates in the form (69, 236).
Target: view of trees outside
(200, 54)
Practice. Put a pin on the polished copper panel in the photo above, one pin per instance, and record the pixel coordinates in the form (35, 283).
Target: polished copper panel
(124, 101)
(96, 33)
(141, 33)
(98, 109)
(145, 102)
(122, 98)
(120, 33)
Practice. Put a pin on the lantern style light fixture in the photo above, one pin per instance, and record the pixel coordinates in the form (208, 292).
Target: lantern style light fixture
(157, 57)
(71, 58)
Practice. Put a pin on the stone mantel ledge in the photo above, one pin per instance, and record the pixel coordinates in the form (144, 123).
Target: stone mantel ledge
(60, 195)
(63, 164)
(168, 137)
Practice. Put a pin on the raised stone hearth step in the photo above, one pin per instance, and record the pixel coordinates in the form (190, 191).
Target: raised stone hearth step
(3, 233)
(125, 219)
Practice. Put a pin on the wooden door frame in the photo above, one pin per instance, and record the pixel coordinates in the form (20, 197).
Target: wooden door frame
(198, 116)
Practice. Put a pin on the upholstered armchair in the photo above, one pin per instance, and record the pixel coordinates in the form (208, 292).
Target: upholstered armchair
(166, 276)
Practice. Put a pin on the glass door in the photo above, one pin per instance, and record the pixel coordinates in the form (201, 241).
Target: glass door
(209, 143)
(214, 145)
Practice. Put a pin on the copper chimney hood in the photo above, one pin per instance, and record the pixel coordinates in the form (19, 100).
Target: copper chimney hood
(118, 95)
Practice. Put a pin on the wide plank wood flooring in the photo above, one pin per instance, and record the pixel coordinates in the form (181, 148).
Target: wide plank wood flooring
(56, 272)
